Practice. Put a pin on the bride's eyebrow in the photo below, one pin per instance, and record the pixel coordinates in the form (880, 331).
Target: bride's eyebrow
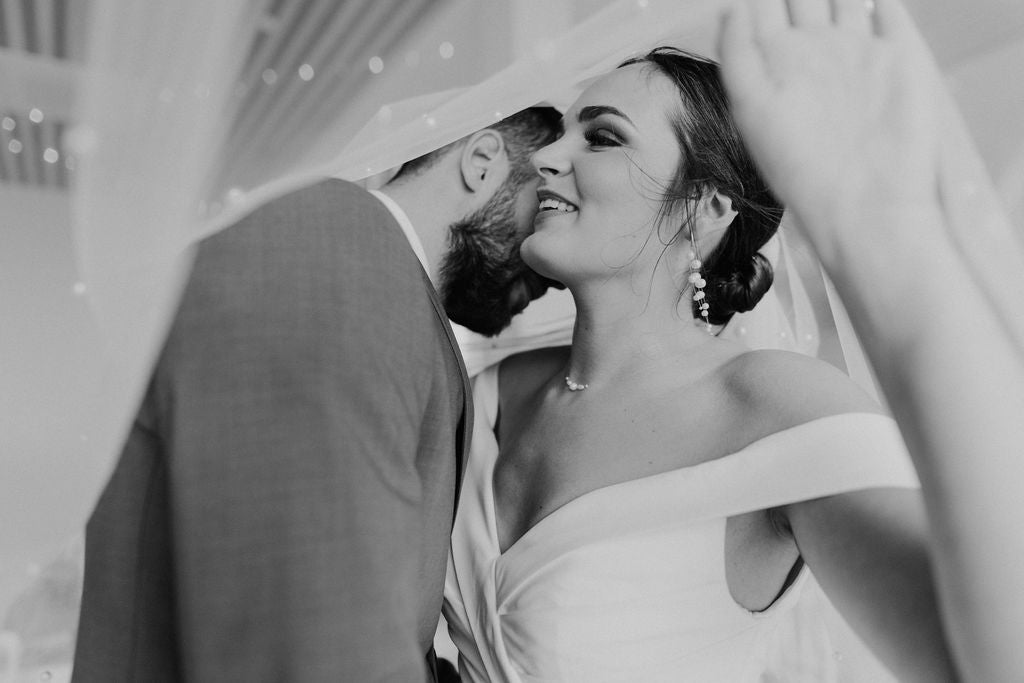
(592, 112)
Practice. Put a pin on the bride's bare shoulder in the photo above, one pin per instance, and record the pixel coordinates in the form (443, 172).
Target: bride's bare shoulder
(792, 388)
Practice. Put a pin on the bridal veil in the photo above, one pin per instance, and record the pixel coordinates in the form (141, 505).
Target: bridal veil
(131, 128)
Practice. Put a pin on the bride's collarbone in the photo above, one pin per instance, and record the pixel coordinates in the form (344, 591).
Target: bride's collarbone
(552, 454)
(559, 459)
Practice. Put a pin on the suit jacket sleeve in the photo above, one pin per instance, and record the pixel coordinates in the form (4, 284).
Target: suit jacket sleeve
(293, 394)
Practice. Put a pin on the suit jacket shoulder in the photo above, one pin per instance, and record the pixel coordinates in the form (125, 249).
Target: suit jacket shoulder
(306, 420)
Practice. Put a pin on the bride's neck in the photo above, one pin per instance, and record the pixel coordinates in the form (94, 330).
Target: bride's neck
(609, 342)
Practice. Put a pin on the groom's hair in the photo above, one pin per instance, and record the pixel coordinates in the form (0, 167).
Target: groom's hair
(524, 133)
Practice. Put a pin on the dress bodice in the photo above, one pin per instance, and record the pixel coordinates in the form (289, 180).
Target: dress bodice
(627, 582)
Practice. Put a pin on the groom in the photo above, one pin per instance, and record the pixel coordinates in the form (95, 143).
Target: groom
(282, 506)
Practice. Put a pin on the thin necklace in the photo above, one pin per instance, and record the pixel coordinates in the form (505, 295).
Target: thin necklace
(574, 386)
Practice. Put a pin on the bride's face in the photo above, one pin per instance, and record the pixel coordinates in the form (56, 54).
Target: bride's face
(603, 180)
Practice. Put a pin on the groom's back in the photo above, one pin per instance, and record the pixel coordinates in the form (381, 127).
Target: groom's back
(282, 506)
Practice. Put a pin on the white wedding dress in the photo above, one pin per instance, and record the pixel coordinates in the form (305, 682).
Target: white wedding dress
(627, 582)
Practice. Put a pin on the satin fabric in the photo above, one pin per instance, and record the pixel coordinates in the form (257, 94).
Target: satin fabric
(627, 582)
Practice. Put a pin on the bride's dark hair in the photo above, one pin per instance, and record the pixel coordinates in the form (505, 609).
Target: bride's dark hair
(714, 159)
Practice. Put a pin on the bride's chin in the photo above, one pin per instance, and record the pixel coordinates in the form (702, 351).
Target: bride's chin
(535, 259)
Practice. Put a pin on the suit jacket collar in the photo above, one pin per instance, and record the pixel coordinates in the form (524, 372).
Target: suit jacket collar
(465, 429)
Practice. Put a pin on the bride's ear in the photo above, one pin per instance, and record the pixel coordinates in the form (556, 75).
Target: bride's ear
(717, 211)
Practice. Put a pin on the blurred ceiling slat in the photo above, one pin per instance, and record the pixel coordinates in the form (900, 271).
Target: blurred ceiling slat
(42, 46)
(344, 73)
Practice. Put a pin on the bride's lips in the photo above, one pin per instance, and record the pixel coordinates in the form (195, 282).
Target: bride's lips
(550, 203)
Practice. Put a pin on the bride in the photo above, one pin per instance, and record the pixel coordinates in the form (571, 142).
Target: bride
(660, 493)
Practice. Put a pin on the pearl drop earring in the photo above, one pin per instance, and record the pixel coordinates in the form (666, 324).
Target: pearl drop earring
(698, 282)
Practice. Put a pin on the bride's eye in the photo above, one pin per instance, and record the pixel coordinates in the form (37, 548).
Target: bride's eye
(601, 137)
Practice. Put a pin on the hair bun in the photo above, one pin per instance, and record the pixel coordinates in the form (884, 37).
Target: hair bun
(739, 290)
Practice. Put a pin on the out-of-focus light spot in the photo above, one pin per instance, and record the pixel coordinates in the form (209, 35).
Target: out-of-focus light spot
(235, 194)
(70, 163)
(269, 76)
(384, 114)
(50, 155)
(376, 65)
(79, 289)
(9, 123)
(35, 115)
(15, 146)
(306, 72)
(446, 50)
(642, 4)
(431, 122)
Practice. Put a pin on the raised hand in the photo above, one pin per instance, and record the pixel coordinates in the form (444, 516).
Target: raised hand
(832, 98)
(844, 112)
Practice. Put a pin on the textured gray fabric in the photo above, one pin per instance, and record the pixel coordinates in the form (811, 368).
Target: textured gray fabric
(282, 507)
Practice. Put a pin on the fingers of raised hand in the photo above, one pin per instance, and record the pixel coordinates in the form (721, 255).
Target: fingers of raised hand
(854, 15)
(742, 63)
(771, 16)
(768, 16)
(893, 21)
(809, 13)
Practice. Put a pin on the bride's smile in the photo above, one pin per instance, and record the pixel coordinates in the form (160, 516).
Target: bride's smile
(603, 180)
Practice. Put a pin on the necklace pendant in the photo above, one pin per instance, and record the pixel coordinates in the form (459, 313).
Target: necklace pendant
(574, 386)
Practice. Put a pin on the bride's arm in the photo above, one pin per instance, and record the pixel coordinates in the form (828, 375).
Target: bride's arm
(869, 552)
(845, 117)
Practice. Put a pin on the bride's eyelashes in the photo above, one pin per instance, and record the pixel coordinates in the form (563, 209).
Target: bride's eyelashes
(601, 137)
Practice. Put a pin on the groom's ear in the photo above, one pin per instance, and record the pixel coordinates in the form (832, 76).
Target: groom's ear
(483, 162)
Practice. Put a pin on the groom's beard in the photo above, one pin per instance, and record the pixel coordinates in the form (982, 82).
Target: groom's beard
(484, 282)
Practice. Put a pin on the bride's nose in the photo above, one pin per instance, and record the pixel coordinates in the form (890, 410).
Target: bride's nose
(549, 161)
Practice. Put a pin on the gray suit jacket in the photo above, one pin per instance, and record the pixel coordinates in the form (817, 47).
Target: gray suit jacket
(282, 507)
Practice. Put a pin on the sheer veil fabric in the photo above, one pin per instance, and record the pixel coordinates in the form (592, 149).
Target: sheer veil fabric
(131, 129)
